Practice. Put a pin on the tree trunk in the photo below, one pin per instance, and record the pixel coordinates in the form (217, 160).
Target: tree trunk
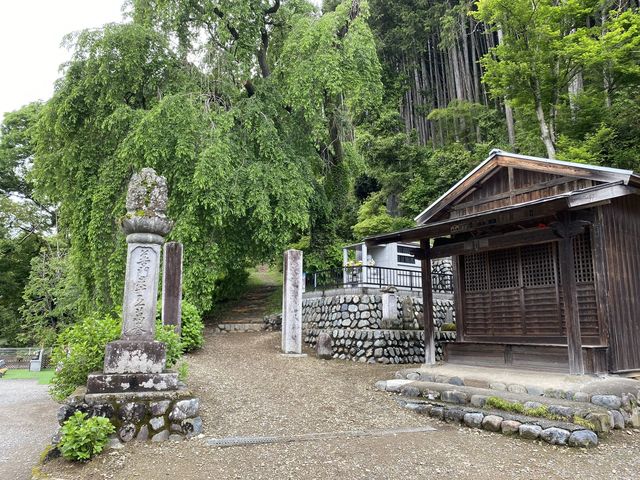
(545, 134)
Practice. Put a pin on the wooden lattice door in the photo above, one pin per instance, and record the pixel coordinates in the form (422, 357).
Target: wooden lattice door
(514, 294)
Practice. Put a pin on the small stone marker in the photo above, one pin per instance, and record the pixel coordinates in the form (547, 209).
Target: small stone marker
(292, 303)
(324, 348)
(389, 307)
(172, 286)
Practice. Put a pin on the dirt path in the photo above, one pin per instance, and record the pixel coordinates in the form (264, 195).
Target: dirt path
(27, 422)
(248, 389)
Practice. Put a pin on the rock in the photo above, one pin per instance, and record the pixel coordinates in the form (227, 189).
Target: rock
(510, 427)
(132, 412)
(453, 415)
(617, 419)
(437, 412)
(555, 436)
(324, 348)
(478, 400)
(611, 402)
(532, 405)
(160, 436)
(473, 420)
(453, 396)
(115, 443)
(157, 423)
(456, 381)
(396, 384)
(583, 438)
(192, 426)
(175, 437)
(497, 386)
(425, 377)
(530, 432)
(381, 385)
(127, 432)
(581, 397)
(143, 434)
(410, 391)
(515, 388)
(492, 423)
(413, 376)
(535, 391)
(352, 308)
(602, 421)
(185, 409)
(566, 412)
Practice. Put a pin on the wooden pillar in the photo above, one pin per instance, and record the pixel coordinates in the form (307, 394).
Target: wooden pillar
(427, 302)
(172, 286)
(567, 230)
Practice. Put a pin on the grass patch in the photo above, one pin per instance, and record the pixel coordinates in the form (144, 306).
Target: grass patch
(583, 423)
(264, 275)
(516, 407)
(43, 377)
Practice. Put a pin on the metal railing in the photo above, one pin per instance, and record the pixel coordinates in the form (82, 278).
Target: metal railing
(371, 276)
(21, 357)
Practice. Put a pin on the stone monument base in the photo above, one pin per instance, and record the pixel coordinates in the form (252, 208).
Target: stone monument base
(155, 416)
(135, 356)
(131, 382)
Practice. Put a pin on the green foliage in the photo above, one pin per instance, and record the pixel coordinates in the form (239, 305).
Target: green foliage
(50, 298)
(15, 263)
(437, 173)
(448, 327)
(183, 371)
(79, 350)
(168, 335)
(192, 336)
(517, 407)
(583, 423)
(373, 218)
(83, 437)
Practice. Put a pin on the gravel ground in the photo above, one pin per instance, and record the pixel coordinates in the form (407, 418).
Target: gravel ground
(247, 388)
(27, 422)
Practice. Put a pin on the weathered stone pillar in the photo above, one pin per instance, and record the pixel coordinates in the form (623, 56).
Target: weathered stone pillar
(172, 286)
(136, 362)
(292, 303)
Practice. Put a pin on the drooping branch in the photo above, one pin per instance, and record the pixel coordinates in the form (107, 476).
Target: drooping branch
(262, 53)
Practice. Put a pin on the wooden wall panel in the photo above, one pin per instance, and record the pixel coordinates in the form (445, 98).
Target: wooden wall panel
(621, 237)
(499, 190)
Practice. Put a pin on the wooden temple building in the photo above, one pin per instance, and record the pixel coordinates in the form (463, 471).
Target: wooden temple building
(546, 258)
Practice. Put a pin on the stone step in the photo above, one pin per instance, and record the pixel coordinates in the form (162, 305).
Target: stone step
(553, 432)
(240, 327)
(602, 418)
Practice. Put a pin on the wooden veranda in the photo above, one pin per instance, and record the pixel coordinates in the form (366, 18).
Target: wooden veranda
(546, 257)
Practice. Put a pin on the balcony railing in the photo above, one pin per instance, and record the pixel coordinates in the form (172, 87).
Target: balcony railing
(371, 276)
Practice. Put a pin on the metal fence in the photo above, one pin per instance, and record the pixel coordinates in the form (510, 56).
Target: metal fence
(371, 276)
(21, 357)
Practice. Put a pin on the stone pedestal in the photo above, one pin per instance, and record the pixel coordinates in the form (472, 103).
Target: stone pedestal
(292, 302)
(154, 416)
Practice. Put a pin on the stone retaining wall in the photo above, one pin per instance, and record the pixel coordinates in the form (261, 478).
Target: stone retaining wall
(140, 416)
(359, 332)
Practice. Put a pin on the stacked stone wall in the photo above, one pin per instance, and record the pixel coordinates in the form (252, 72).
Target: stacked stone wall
(140, 416)
(359, 332)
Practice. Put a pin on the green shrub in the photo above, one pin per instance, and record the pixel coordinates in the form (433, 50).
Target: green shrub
(192, 328)
(83, 437)
(79, 350)
(183, 371)
(168, 335)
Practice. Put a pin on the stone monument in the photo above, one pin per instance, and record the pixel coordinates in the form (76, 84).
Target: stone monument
(136, 361)
(135, 390)
(292, 303)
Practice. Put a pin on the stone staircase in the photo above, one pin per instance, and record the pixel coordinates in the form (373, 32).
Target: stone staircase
(578, 422)
(246, 315)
